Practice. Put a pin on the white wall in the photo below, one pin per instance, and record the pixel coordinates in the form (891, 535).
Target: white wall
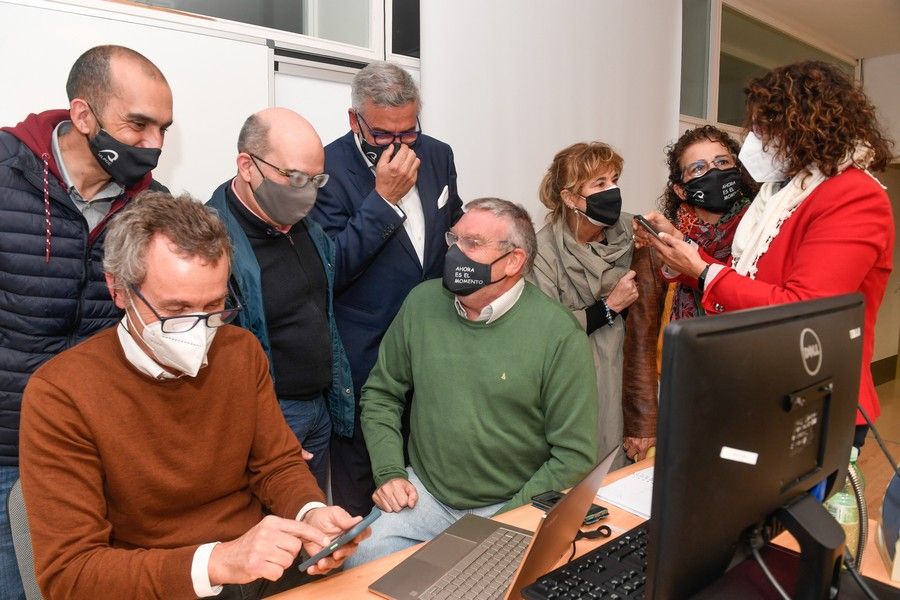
(508, 83)
(216, 82)
(881, 79)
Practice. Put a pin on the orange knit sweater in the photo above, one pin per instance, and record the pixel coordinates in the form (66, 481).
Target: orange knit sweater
(125, 476)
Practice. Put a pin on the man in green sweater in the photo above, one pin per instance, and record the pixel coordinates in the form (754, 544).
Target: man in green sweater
(504, 403)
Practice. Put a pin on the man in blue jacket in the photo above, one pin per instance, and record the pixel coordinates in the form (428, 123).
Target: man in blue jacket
(390, 200)
(63, 174)
(283, 272)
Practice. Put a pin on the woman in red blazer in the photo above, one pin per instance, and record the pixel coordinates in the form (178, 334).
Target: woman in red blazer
(821, 224)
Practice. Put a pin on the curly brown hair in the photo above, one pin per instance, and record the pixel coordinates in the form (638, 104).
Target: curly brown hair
(571, 168)
(669, 201)
(816, 115)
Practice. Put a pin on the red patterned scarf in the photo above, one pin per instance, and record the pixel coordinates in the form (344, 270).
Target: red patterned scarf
(715, 241)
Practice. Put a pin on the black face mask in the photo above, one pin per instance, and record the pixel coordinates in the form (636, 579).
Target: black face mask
(464, 276)
(715, 191)
(605, 206)
(373, 152)
(125, 164)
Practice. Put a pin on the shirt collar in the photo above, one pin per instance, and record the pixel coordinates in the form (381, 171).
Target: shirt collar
(496, 309)
(139, 358)
(365, 158)
(109, 191)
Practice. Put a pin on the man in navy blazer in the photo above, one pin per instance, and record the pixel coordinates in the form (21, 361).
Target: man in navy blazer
(389, 201)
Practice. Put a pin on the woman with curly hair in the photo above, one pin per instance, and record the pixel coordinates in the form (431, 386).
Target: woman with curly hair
(584, 259)
(821, 224)
(707, 193)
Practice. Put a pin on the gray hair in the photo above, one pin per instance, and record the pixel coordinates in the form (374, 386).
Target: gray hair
(521, 230)
(254, 136)
(384, 84)
(193, 228)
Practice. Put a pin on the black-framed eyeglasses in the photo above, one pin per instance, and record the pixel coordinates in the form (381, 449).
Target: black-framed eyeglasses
(297, 179)
(701, 167)
(383, 138)
(183, 323)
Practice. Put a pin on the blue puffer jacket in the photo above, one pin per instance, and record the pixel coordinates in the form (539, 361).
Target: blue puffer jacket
(52, 288)
(245, 273)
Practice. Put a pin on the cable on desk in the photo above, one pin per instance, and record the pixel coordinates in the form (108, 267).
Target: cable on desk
(878, 439)
(769, 575)
(848, 561)
(602, 531)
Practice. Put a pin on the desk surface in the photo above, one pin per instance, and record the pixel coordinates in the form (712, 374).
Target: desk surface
(354, 583)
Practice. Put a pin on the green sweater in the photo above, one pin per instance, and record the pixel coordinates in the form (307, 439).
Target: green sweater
(500, 411)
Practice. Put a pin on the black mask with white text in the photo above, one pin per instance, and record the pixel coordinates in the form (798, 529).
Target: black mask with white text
(716, 190)
(464, 276)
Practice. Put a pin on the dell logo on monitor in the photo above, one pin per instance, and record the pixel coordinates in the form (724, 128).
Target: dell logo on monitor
(810, 351)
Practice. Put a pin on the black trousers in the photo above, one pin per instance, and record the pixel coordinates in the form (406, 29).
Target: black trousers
(352, 484)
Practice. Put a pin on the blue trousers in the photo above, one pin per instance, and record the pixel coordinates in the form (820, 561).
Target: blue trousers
(311, 423)
(10, 582)
(398, 530)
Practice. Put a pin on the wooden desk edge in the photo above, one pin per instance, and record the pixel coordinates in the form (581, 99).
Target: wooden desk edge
(354, 583)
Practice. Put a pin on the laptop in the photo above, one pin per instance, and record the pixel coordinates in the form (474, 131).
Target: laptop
(482, 559)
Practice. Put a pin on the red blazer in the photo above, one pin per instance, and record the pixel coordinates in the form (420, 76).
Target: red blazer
(839, 240)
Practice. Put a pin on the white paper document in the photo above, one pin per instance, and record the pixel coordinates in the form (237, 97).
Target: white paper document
(633, 493)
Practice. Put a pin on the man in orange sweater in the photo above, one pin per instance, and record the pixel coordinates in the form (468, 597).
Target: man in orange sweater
(152, 452)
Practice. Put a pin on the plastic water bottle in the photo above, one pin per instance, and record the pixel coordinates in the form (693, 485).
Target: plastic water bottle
(842, 505)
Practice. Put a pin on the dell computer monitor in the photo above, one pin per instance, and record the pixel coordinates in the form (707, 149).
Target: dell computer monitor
(756, 407)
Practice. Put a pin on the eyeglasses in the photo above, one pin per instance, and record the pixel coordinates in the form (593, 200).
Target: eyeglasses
(183, 323)
(470, 243)
(701, 167)
(298, 179)
(383, 138)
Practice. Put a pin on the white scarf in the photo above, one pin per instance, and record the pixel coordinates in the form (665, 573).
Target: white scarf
(772, 207)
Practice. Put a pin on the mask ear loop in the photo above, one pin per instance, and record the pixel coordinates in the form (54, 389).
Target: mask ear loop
(602, 531)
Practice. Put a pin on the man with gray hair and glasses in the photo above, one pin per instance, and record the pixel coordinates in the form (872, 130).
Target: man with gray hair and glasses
(390, 200)
(504, 393)
(156, 462)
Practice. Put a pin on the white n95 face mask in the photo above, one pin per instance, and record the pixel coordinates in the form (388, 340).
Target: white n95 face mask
(762, 164)
(184, 351)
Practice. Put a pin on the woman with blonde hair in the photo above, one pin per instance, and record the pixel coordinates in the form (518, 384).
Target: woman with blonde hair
(584, 260)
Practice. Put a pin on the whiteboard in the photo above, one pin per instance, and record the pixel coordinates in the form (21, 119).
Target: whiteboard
(216, 82)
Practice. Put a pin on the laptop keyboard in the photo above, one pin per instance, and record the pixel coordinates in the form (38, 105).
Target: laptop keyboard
(486, 572)
(615, 571)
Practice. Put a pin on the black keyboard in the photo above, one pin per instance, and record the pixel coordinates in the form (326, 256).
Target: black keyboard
(614, 571)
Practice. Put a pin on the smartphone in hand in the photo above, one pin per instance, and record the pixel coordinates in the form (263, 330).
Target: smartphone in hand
(647, 225)
(341, 540)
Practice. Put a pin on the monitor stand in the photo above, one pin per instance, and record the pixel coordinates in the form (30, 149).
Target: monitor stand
(814, 574)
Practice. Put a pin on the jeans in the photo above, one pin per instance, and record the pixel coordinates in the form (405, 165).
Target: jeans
(10, 581)
(310, 422)
(396, 531)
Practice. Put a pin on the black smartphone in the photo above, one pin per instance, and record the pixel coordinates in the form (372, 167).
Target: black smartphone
(341, 540)
(647, 225)
(547, 500)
